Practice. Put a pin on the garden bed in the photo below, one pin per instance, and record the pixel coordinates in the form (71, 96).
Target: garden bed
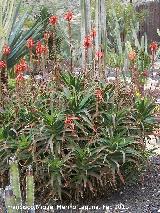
(143, 197)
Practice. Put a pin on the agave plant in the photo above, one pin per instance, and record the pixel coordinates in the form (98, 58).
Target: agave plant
(13, 30)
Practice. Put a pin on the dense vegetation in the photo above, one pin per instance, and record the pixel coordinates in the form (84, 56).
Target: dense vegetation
(62, 121)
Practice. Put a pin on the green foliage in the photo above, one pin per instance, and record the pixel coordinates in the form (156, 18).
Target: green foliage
(79, 135)
(17, 35)
(126, 14)
(77, 154)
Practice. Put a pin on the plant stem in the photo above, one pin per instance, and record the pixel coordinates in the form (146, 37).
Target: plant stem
(70, 44)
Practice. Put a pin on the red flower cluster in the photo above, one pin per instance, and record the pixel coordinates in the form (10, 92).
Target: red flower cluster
(30, 43)
(46, 36)
(69, 121)
(40, 48)
(6, 50)
(99, 55)
(21, 67)
(89, 39)
(99, 94)
(153, 46)
(68, 16)
(53, 20)
(87, 42)
(20, 77)
(3, 64)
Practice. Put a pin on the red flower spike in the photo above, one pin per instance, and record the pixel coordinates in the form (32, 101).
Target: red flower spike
(145, 73)
(93, 33)
(18, 68)
(6, 50)
(68, 16)
(53, 20)
(153, 46)
(87, 42)
(99, 55)
(46, 36)
(30, 43)
(39, 48)
(99, 94)
(69, 121)
(45, 50)
(20, 77)
(2, 64)
(23, 65)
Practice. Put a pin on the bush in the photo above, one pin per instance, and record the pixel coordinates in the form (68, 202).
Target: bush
(77, 136)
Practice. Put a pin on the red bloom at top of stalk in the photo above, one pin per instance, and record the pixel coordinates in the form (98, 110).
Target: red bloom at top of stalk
(40, 48)
(99, 94)
(53, 20)
(69, 121)
(68, 16)
(93, 33)
(21, 67)
(87, 42)
(99, 54)
(18, 68)
(6, 50)
(24, 65)
(153, 46)
(30, 43)
(2, 64)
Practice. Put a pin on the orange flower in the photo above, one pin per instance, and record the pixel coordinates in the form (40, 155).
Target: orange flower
(30, 43)
(69, 121)
(99, 94)
(68, 16)
(153, 46)
(6, 50)
(21, 67)
(53, 20)
(87, 42)
(3, 64)
(132, 55)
